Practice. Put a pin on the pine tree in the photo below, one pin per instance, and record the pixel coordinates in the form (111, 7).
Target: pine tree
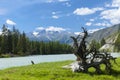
(102, 42)
(4, 44)
(15, 37)
(24, 43)
(9, 42)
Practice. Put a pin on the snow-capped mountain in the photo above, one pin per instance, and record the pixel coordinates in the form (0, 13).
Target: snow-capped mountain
(53, 34)
(62, 36)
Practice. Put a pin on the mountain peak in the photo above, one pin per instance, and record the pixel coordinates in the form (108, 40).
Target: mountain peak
(51, 34)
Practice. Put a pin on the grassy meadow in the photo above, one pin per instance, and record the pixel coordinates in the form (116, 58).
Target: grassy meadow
(54, 71)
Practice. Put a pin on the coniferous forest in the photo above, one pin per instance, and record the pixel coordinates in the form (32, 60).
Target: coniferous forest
(13, 42)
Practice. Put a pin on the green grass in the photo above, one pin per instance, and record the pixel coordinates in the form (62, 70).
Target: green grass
(54, 71)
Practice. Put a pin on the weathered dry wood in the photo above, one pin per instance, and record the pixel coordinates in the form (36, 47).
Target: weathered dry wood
(95, 57)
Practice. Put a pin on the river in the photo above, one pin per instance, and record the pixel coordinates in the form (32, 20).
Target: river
(21, 61)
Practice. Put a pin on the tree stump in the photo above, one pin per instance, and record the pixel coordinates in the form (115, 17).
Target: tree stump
(89, 57)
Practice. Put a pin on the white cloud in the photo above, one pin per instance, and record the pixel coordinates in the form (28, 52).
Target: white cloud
(55, 17)
(94, 30)
(107, 5)
(79, 33)
(112, 15)
(83, 11)
(86, 11)
(89, 31)
(103, 24)
(53, 13)
(67, 4)
(63, 0)
(56, 12)
(52, 28)
(113, 4)
(59, 14)
(92, 20)
(115, 21)
(40, 28)
(116, 3)
(88, 24)
(10, 22)
(98, 9)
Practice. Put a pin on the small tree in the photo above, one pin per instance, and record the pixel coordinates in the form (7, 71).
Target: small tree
(95, 44)
(102, 42)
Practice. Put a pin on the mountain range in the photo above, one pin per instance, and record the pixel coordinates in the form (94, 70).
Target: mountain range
(43, 35)
(64, 36)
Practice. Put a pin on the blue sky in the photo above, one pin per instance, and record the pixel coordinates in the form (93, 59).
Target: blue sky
(71, 15)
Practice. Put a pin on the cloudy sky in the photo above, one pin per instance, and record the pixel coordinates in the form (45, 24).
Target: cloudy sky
(71, 15)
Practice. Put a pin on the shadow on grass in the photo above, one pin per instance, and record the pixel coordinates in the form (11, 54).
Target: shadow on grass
(114, 73)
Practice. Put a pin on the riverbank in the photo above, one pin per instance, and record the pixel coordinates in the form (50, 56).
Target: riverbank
(115, 54)
(15, 55)
(54, 71)
(26, 60)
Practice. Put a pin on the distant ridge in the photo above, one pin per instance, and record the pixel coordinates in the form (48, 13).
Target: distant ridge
(104, 33)
(112, 43)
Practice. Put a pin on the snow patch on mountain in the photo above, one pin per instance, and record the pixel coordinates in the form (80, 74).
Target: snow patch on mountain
(35, 33)
(51, 33)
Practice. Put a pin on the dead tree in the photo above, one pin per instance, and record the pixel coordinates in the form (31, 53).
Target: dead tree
(96, 58)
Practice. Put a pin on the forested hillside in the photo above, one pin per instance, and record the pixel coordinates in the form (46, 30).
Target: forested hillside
(13, 42)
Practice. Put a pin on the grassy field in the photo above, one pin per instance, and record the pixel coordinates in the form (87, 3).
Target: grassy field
(54, 71)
